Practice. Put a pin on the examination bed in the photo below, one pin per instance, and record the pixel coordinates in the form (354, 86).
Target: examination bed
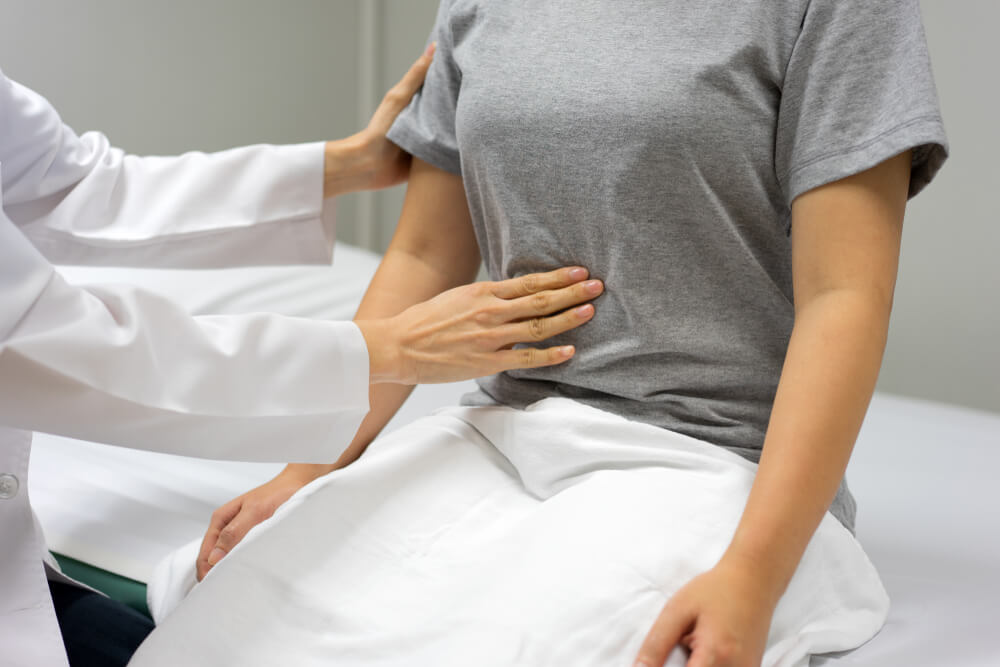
(923, 474)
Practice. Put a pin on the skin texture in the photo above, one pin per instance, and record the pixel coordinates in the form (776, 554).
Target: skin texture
(845, 248)
(845, 251)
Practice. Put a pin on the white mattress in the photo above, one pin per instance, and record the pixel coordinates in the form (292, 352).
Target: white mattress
(922, 472)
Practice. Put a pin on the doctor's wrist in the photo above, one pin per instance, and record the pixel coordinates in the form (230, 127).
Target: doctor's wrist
(348, 166)
(384, 357)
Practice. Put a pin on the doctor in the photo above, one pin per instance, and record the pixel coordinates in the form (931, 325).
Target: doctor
(118, 365)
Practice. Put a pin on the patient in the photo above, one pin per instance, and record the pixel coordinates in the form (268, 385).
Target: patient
(737, 176)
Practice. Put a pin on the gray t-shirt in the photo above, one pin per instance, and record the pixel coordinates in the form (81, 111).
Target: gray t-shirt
(660, 144)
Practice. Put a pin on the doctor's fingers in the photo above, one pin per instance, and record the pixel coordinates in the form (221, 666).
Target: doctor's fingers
(530, 357)
(548, 302)
(539, 328)
(533, 283)
(400, 95)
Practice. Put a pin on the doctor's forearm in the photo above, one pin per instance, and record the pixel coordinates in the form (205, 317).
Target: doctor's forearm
(402, 280)
(347, 167)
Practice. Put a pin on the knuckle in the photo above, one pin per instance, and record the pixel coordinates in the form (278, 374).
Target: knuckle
(527, 356)
(536, 328)
(484, 288)
(228, 535)
(483, 318)
(396, 97)
(541, 302)
(530, 283)
(724, 653)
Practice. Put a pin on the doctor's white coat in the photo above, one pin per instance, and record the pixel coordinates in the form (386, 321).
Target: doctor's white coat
(121, 366)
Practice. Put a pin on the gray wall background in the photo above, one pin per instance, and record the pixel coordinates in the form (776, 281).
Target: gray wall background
(164, 77)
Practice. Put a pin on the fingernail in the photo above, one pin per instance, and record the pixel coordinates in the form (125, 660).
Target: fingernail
(585, 310)
(567, 350)
(641, 663)
(215, 556)
(577, 274)
(593, 286)
(430, 48)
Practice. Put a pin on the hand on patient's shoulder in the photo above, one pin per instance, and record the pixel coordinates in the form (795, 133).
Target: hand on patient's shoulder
(368, 160)
(469, 331)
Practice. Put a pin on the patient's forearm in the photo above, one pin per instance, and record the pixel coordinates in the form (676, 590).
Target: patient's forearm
(829, 375)
(402, 280)
(845, 252)
(434, 249)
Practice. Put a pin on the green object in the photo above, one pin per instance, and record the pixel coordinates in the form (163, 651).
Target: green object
(115, 586)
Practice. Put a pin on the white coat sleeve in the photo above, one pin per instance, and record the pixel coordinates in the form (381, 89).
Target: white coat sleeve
(82, 201)
(126, 367)
(122, 366)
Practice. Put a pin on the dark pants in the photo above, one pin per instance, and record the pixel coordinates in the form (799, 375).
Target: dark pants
(97, 631)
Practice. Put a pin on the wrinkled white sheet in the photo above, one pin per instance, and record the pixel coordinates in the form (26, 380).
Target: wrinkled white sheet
(492, 536)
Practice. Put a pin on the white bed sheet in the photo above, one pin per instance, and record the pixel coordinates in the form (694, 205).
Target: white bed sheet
(925, 478)
(923, 474)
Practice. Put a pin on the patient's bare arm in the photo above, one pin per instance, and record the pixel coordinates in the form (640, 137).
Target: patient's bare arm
(845, 251)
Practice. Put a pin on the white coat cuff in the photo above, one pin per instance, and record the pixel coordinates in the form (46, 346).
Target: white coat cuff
(318, 235)
(329, 219)
(351, 378)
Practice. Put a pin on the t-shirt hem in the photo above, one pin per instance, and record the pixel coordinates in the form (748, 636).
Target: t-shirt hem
(924, 135)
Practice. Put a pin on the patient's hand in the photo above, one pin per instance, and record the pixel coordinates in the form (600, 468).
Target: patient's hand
(721, 616)
(231, 522)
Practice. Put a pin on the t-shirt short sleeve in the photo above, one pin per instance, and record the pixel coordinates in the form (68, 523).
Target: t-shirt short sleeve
(426, 128)
(857, 91)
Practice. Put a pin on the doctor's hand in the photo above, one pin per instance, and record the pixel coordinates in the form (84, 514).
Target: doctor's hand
(722, 617)
(367, 160)
(469, 331)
